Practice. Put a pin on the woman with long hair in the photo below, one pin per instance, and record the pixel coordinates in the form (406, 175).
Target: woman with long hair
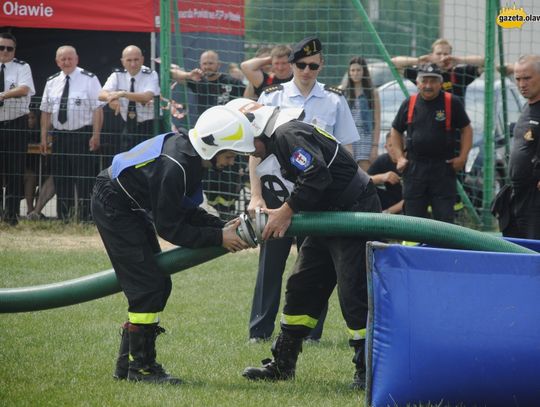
(363, 100)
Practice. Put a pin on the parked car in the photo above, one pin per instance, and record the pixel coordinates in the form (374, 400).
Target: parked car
(391, 97)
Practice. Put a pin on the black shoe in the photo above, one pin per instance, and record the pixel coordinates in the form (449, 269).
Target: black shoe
(359, 380)
(269, 371)
(152, 374)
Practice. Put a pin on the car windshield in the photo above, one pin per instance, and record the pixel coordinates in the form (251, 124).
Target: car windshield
(474, 104)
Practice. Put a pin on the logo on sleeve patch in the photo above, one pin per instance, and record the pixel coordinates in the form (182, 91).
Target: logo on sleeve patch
(301, 159)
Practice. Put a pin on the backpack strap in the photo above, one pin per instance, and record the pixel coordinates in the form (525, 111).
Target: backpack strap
(410, 112)
(448, 110)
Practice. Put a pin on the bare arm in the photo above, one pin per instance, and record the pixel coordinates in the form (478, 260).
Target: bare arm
(16, 92)
(180, 76)
(257, 200)
(97, 123)
(397, 142)
(45, 125)
(404, 61)
(465, 146)
(138, 97)
(252, 69)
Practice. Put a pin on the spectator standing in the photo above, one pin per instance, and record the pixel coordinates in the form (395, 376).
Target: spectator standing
(16, 89)
(363, 100)
(280, 69)
(156, 188)
(325, 177)
(70, 105)
(432, 119)
(524, 167)
(457, 72)
(130, 92)
(34, 165)
(325, 107)
(385, 176)
(261, 52)
(212, 87)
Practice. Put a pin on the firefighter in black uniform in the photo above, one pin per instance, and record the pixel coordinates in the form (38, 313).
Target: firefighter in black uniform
(524, 203)
(432, 120)
(156, 187)
(325, 177)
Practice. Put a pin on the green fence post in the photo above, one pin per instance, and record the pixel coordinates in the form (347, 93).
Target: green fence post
(180, 57)
(506, 130)
(165, 55)
(378, 42)
(488, 165)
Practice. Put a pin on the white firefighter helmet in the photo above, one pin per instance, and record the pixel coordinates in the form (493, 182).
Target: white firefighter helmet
(262, 116)
(220, 128)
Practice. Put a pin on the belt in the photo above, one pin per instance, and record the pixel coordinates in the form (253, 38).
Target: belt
(356, 188)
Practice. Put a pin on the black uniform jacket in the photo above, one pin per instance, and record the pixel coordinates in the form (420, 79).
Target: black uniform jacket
(313, 159)
(160, 188)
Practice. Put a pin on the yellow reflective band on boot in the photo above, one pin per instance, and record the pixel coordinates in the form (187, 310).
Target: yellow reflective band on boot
(357, 334)
(304, 320)
(143, 318)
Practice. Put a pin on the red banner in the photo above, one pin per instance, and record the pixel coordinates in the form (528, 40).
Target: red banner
(103, 15)
(212, 16)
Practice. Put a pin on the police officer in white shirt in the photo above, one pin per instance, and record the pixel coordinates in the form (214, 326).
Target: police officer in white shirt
(326, 108)
(16, 88)
(70, 104)
(130, 92)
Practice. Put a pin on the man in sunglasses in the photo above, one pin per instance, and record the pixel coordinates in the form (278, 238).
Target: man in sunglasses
(16, 88)
(326, 108)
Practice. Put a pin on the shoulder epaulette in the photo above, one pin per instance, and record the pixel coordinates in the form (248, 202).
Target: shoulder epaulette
(119, 70)
(273, 88)
(53, 76)
(18, 61)
(333, 89)
(87, 73)
(146, 71)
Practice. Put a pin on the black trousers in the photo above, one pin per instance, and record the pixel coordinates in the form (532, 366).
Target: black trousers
(430, 182)
(73, 165)
(524, 214)
(131, 243)
(273, 256)
(323, 263)
(12, 162)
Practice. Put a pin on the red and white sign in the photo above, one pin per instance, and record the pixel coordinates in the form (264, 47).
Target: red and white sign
(105, 15)
(213, 16)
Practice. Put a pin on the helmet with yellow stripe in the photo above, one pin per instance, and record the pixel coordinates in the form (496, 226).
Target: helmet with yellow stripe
(220, 128)
(264, 119)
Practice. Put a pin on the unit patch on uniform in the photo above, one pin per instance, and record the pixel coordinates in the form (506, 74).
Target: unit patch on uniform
(301, 159)
(440, 115)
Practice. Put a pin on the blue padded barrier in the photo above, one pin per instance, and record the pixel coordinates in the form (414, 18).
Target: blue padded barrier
(453, 327)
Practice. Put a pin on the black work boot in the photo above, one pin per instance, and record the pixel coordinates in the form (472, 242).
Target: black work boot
(122, 362)
(285, 351)
(359, 379)
(142, 356)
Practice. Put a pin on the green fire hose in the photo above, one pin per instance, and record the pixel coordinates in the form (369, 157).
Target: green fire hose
(370, 225)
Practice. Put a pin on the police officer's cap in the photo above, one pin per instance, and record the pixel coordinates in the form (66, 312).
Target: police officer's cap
(429, 70)
(305, 48)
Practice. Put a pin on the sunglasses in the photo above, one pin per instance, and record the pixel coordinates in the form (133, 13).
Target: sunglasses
(302, 66)
(8, 49)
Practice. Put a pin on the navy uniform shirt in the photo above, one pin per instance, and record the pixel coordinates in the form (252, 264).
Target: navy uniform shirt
(314, 161)
(525, 148)
(429, 138)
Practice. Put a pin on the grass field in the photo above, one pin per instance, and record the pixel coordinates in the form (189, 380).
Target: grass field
(65, 356)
